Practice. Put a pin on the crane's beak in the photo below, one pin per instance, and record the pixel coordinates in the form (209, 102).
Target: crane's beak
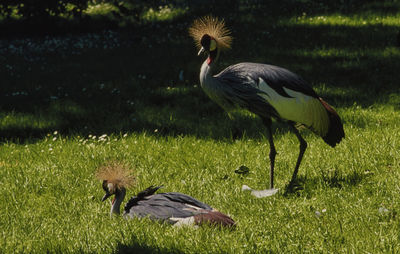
(201, 51)
(107, 195)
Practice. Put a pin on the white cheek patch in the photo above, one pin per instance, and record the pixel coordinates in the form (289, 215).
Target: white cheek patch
(300, 108)
(213, 45)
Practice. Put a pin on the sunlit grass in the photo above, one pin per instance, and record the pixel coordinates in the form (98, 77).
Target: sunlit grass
(107, 10)
(100, 9)
(163, 13)
(348, 53)
(349, 201)
(19, 120)
(345, 20)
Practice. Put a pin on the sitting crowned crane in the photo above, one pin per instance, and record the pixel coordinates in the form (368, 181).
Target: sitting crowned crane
(172, 207)
(268, 91)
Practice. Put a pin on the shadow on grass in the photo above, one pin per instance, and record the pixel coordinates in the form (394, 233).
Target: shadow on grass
(139, 89)
(137, 248)
(334, 179)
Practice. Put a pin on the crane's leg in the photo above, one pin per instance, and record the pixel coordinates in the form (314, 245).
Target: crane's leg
(272, 155)
(303, 147)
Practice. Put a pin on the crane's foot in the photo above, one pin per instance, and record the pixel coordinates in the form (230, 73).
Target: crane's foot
(237, 133)
(260, 193)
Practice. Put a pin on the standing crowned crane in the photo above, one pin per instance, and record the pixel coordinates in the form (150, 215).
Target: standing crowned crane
(172, 207)
(265, 90)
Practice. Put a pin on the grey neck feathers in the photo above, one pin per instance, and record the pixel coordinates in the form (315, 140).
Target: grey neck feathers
(119, 197)
(208, 82)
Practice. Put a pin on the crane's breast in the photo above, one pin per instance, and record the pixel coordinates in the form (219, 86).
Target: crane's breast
(297, 107)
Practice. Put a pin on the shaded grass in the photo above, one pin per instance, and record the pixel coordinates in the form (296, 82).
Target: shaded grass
(130, 89)
(170, 133)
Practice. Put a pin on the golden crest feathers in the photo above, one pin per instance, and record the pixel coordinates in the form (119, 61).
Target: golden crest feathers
(116, 173)
(213, 27)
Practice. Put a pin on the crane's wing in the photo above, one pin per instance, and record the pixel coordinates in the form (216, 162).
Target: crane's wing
(183, 198)
(234, 87)
(202, 213)
(278, 78)
(176, 208)
(140, 196)
(277, 92)
(166, 205)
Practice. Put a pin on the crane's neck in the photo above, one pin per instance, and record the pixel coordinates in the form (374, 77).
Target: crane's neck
(206, 71)
(116, 203)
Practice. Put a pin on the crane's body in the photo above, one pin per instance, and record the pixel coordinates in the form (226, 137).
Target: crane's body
(269, 91)
(171, 207)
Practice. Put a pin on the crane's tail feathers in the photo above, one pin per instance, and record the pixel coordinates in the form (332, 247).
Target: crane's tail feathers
(335, 132)
(214, 218)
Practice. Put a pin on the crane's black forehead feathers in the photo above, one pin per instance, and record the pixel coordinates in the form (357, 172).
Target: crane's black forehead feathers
(205, 41)
(104, 185)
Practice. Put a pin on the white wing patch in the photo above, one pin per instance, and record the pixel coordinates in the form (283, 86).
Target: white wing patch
(300, 108)
(189, 221)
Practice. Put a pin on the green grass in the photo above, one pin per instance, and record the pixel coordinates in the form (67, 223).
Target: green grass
(53, 199)
(68, 115)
